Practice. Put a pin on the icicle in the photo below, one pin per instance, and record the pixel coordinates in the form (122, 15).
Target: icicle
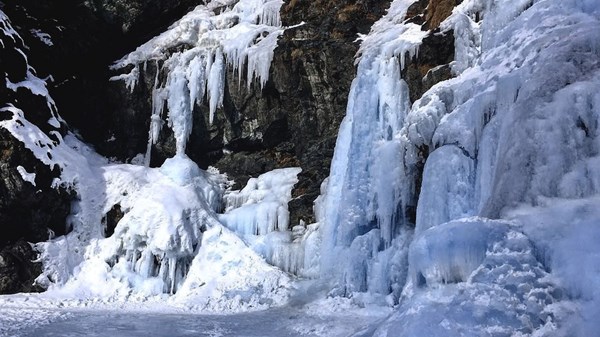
(244, 33)
(216, 84)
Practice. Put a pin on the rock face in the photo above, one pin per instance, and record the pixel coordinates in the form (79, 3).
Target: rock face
(30, 209)
(76, 41)
(294, 119)
(18, 269)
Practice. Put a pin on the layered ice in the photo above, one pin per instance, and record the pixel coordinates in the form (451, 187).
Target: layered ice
(474, 277)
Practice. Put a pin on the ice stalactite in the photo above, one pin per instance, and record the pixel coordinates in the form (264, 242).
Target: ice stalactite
(195, 54)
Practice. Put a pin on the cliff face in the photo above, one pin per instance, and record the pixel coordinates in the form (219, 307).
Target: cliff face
(293, 121)
(70, 45)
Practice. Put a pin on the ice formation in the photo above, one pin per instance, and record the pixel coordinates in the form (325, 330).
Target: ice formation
(405, 216)
(516, 124)
(221, 35)
(364, 208)
(505, 290)
(169, 240)
(259, 214)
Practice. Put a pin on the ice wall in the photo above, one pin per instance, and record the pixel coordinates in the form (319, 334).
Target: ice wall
(516, 125)
(365, 204)
(195, 53)
(518, 122)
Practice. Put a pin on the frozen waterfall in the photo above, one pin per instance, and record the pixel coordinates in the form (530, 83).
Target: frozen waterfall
(516, 125)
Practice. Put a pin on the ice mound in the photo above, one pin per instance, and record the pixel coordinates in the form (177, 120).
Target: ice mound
(227, 276)
(450, 252)
(168, 242)
(502, 289)
(259, 214)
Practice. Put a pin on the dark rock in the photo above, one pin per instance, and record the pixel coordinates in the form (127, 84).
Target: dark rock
(26, 211)
(431, 65)
(19, 269)
(111, 219)
(87, 36)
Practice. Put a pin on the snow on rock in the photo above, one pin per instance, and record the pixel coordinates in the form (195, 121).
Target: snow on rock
(28, 177)
(241, 35)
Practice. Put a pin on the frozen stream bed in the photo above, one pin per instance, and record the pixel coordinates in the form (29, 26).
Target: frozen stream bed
(280, 322)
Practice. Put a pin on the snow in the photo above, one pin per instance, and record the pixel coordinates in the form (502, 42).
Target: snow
(28, 177)
(335, 319)
(44, 37)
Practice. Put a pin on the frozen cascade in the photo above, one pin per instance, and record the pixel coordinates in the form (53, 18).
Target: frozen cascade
(241, 35)
(259, 214)
(517, 125)
(169, 239)
(365, 201)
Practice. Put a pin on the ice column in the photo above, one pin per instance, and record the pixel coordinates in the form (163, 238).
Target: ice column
(364, 210)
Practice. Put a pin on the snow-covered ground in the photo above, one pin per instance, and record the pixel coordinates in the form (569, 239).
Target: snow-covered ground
(327, 318)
